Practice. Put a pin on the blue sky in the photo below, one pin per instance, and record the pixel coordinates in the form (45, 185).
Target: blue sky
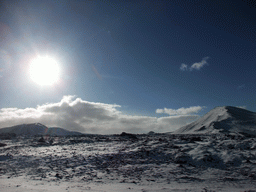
(142, 56)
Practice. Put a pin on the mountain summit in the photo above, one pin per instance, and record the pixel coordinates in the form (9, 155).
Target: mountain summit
(225, 119)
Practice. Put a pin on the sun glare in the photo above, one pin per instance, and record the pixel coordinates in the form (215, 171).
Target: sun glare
(44, 71)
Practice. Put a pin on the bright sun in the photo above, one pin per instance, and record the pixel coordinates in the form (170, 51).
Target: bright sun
(44, 71)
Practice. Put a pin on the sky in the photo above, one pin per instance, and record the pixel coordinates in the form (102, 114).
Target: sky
(134, 66)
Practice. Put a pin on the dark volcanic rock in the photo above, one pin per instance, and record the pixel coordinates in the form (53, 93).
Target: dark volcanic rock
(151, 133)
(128, 135)
(41, 140)
(2, 144)
(7, 136)
(58, 176)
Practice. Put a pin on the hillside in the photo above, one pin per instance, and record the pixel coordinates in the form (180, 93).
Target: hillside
(37, 129)
(225, 119)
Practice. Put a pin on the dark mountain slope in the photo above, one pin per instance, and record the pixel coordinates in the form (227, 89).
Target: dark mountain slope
(37, 129)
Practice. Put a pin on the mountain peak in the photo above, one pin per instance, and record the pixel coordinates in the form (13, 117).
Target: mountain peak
(222, 120)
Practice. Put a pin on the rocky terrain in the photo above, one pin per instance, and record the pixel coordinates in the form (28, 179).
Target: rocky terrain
(222, 160)
(225, 160)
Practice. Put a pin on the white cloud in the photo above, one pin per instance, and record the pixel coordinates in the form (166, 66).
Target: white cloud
(199, 65)
(242, 107)
(195, 66)
(76, 114)
(180, 111)
(183, 67)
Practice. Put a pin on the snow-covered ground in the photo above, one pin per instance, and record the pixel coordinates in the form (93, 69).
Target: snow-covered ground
(157, 162)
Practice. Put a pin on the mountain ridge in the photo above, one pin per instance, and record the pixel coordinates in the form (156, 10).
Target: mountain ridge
(37, 129)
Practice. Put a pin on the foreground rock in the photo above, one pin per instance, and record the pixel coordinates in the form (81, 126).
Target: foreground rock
(2, 144)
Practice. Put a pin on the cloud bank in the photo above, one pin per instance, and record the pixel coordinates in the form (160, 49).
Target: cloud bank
(180, 111)
(195, 66)
(76, 114)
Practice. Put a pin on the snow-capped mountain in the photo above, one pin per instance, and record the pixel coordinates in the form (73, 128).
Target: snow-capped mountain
(37, 129)
(225, 119)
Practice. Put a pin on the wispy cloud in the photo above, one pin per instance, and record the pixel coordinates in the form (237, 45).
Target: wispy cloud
(183, 67)
(242, 107)
(96, 72)
(199, 65)
(1, 70)
(181, 111)
(195, 66)
(241, 86)
(90, 117)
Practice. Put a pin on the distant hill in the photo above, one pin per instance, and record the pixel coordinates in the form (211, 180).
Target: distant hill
(37, 129)
(225, 119)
